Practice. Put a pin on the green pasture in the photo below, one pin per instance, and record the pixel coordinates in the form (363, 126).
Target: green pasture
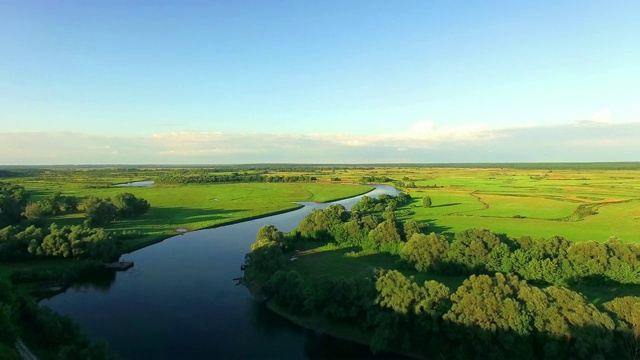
(190, 207)
(534, 202)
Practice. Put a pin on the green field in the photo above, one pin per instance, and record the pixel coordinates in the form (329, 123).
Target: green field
(519, 200)
(190, 207)
(538, 203)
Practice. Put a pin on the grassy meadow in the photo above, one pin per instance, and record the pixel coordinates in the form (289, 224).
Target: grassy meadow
(581, 202)
(190, 207)
(520, 202)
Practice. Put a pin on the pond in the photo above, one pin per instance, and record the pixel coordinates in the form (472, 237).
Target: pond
(179, 301)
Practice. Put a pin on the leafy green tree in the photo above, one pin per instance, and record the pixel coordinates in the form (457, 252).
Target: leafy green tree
(264, 260)
(426, 201)
(412, 227)
(70, 204)
(270, 233)
(13, 200)
(128, 205)
(626, 311)
(485, 311)
(426, 252)
(471, 248)
(35, 211)
(288, 289)
(52, 203)
(385, 237)
(99, 212)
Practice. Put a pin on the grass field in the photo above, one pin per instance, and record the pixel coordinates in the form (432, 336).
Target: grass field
(521, 199)
(538, 203)
(191, 206)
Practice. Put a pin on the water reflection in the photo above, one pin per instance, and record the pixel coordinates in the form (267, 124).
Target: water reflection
(180, 302)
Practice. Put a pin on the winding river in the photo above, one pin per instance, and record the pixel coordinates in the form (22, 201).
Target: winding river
(180, 302)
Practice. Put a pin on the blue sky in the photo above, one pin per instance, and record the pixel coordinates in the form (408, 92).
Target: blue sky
(318, 81)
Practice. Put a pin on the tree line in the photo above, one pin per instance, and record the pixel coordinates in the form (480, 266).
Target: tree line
(231, 178)
(24, 236)
(554, 260)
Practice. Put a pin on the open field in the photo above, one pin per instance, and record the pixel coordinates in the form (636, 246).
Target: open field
(187, 206)
(520, 202)
(581, 202)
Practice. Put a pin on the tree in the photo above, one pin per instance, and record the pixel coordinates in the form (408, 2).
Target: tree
(426, 251)
(13, 200)
(128, 205)
(426, 201)
(99, 212)
(70, 203)
(35, 211)
(52, 203)
(386, 236)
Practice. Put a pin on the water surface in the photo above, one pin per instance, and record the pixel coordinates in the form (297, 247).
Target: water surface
(179, 301)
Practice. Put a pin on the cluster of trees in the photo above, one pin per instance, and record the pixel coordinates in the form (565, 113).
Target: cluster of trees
(487, 317)
(77, 241)
(58, 336)
(405, 183)
(371, 232)
(21, 242)
(383, 203)
(102, 212)
(555, 260)
(231, 178)
(54, 204)
(375, 179)
(13, 200)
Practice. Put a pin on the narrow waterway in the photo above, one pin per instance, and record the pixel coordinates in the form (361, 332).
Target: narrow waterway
(180, 302)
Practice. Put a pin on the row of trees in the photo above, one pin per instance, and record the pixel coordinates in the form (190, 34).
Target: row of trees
(77, 241)
(20, 240)
(383, 203)
(555, 260)
(54, 204)
(371, 232)
(102, 212)
(231, 178)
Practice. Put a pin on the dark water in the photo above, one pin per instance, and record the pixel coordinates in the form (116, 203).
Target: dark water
(180, 302)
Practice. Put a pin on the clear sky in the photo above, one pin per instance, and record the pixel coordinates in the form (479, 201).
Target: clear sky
(318, 81)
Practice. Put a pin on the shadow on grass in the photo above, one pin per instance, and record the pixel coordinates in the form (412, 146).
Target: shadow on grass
(445, 205)
(434, 227)
(174, 216)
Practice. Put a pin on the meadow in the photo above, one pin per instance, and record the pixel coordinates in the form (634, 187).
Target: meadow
(581, 204)
(190, 207)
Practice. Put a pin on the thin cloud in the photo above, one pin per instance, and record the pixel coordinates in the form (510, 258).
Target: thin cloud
(423, 142)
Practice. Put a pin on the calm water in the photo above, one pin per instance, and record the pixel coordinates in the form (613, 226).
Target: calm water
(136, 184)
(180, 302)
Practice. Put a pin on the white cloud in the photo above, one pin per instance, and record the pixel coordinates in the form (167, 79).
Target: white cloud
(423, 142)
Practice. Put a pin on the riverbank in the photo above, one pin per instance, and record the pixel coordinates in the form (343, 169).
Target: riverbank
(154, 239)
(344, 331)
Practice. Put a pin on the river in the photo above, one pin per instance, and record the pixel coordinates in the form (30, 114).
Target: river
(179, 301)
